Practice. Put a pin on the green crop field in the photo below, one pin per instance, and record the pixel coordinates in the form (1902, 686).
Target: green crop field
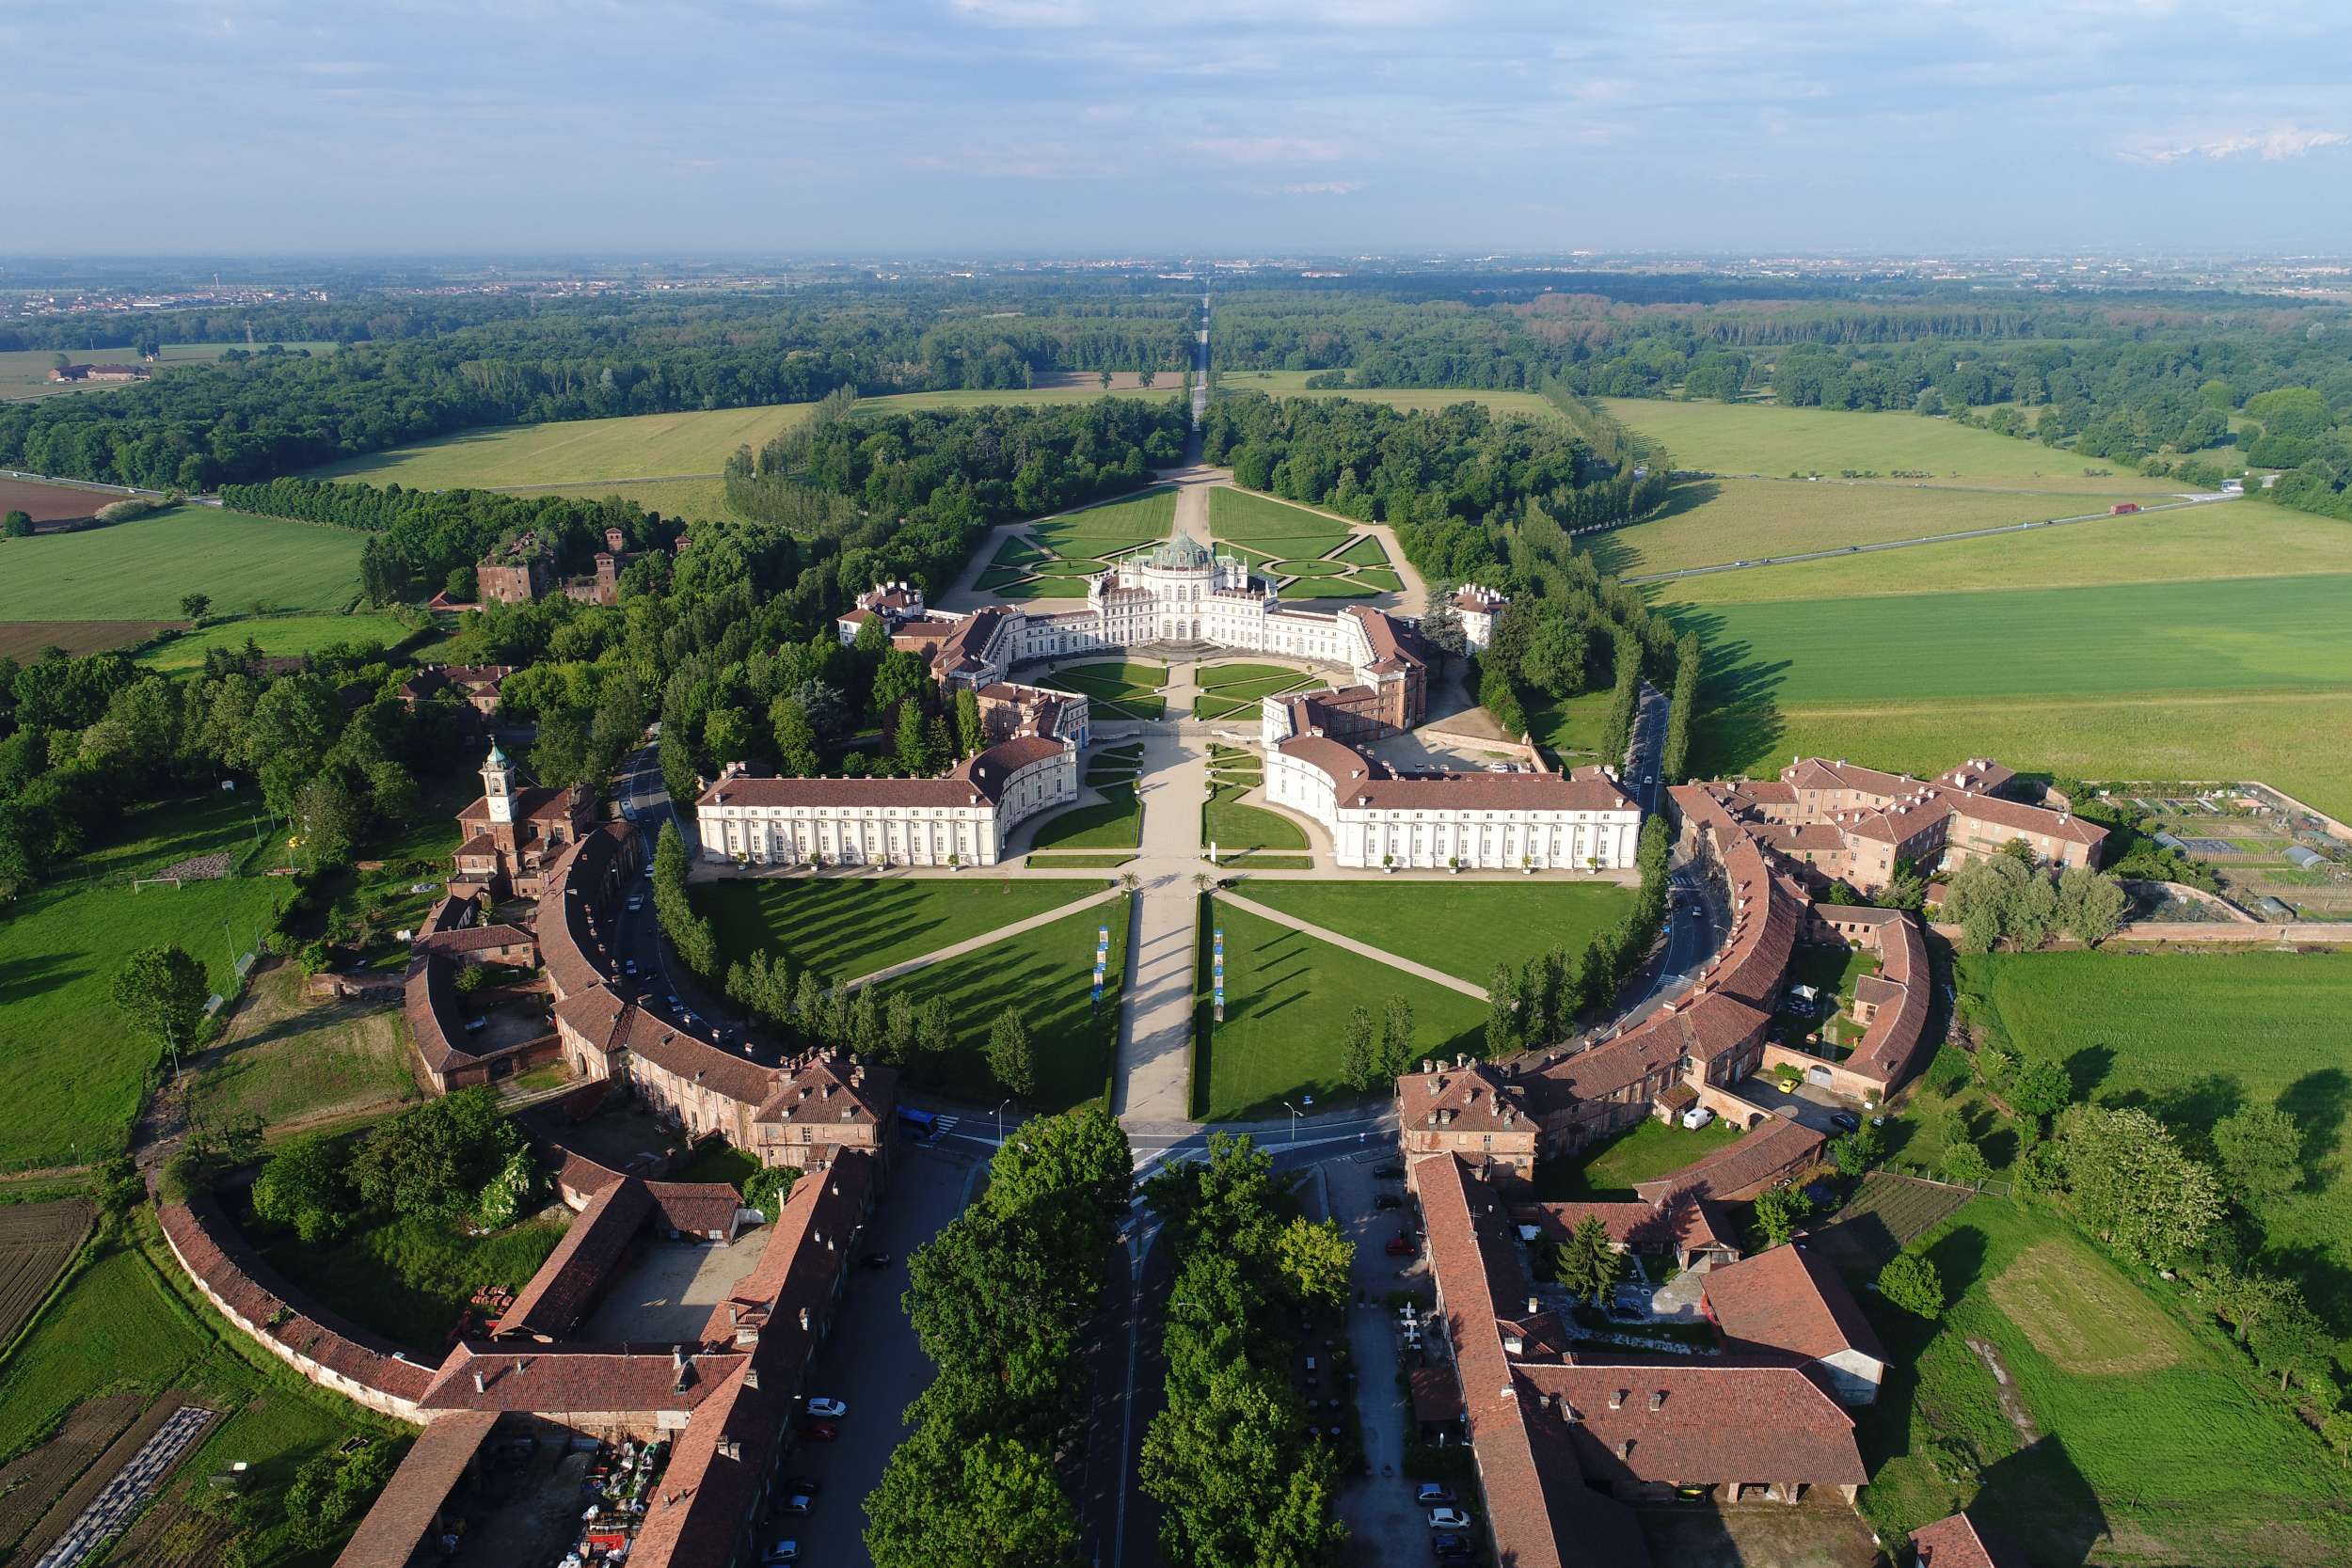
(24, 372)
(2193, 1037)
(1712, 522)
(2233, 678)
(2234, 539)
(2147, 1439)
(1287, 1000)
(1765, 438)
(1293, 384)
(854, 925)
(1250, 518)
(568, 451)
(1046, 975)
(278, 635)
(138, 570)
(79, 1071)
(1462, 927)
(695, 500)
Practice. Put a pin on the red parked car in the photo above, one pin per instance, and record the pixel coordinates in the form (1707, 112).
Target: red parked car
(819, 1431)
(1400, 1246)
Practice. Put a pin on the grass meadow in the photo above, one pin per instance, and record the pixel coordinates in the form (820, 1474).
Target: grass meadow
(278, 635)
(1711, 522)
(1046, 975)
(2192, 1037)
(138, 570)
(290, 1060)
(1766, 439)
(2135, 1435)
(1462, 927)
(1241, 833)
(77, 1071)
(1293, 384)
(410, 1279)
(1287, 1000)
(2224, 679)
(1114, 688)
(24, 372)
(2212, 542)
(854, 925)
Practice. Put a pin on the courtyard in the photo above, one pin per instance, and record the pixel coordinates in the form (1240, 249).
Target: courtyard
(666, 1293)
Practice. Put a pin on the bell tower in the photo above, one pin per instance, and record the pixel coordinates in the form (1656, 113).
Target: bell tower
(497, 788)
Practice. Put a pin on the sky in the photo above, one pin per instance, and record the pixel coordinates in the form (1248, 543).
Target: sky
(1219, 127)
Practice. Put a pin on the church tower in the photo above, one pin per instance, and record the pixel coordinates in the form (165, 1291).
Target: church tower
(497, 786)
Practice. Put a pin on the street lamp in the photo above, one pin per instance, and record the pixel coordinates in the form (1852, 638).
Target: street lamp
(1000, 1122)
(1295, 1115)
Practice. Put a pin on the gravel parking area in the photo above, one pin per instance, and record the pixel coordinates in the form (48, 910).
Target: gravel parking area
(1385, 1527)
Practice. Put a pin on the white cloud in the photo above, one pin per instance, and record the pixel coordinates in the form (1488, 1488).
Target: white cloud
(1268, 149)
(1325, 187)
(2284, 141)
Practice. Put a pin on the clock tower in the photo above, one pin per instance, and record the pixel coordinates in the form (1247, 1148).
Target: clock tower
(497, 788)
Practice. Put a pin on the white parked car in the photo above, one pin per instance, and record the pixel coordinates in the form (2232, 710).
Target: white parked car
(829, 1409)
(1448, 1518)
(1697, 1117)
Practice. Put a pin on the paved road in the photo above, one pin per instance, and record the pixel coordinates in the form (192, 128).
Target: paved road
(1644, 749)
(2201, 500)
(1155, 1009)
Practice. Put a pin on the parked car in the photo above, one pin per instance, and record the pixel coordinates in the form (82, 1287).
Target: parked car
(636, 902)
(1399, 1246)
(1388, 1200)
(782, 1551)
(806, 1486)
(1430, 1494)
(1697, 1117)
(800, 1505)
(1448, 1518)
(628, 966)
(1845, 1121)
(1391, 1173)
(876, 1261)
(831, 1409)
(1450, 1544)
(819, 1431)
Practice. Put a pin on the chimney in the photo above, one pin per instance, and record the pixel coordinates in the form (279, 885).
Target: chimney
(805, 1320)
(1658, 1400)
(1616, 1401)
(478, 1385)
(1625, 1449)
(1534, 1307)
(730, 1447)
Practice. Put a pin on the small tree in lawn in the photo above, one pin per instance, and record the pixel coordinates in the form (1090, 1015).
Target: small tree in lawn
(1359, 1054)
(2039, 1087)
(1911, 1282)
(2262, 1153)
(1779, 1212)
(1857, 1151)
(1590, 1263)
(1396, 1035)
(1011, 1055)
(163, 991)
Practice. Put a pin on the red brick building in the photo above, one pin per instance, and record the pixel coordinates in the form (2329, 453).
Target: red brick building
(514, 833)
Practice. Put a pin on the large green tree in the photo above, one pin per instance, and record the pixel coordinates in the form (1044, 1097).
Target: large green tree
(163, 992)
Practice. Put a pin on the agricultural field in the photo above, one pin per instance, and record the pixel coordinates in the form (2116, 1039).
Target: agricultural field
(2218, 541)
(139, 570)
(849, 926)
(1885, 1213)
(1293, 384)
(1767, 439)
(78, 1073)
(2248, 678)
(295, 1061)
(24, 372)
(1712, 522)
(278, 636)
(26, 641)
(36, 1240)
(2193, 1037)
(2127, 1432)
(1648, 1150)
(1287, 1000)
(1462, 927)
(1047, 974)
(53, 503)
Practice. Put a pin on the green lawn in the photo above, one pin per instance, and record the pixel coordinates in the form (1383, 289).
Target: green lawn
(78, 1072)
(851, 925)
(128, 1321)
(1220, 677)
(1119, 691)
(1464, 928)
(2194, 1037)
(1095, 530)
(1310, 568)
(293, 1059)
(1648, 1150)
(1249, 517)
(2218, 541)
(1238, 830)
(1293, 384)
(2155, 1442)
(1116, 823)
(138, 571)
(1366, 551)
(279, 636)
(410, 1279)
(1332, 588)
(1765, 438)
(1287, 1000)
(1039, 588)
(2242, 677)
(1379, 580)
(1047, 974)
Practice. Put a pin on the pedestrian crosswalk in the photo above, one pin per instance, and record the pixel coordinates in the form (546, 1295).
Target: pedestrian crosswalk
(946, 1125)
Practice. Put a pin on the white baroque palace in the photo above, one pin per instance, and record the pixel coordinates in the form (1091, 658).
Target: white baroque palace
(1378, 815)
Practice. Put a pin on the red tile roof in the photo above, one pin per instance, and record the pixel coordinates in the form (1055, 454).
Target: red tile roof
(474, 938)
(1788, 1300)
(1716, 1421)
(823, 1083)
(1743, 1169)
(1897, 1043)
(592, 1248)
(431, 1008)
(1479, 1097)
(1684, 1221)
(1960, 1541)
(411, 1501)
(570, 938)
(578, 1380)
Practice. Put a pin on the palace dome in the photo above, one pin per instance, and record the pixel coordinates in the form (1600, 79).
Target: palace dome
(1182, 552)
